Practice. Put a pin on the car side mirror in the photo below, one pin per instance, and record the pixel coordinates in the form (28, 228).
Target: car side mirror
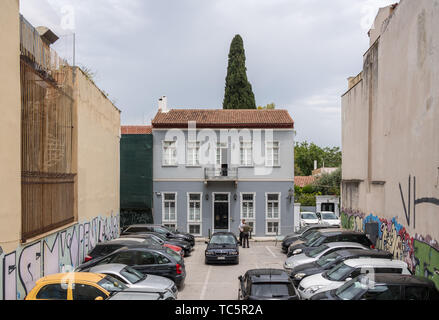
(168, 234)
(99, 298)
(348, 279)
(240, 278)
(206, 242)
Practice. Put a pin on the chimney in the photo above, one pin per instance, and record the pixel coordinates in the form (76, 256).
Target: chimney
(163, 104)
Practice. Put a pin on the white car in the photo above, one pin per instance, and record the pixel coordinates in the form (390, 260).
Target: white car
(346, 271)
(315, 254)
(308, 218)
(329, 217)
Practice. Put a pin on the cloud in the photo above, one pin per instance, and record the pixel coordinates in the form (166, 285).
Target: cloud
(299, 53)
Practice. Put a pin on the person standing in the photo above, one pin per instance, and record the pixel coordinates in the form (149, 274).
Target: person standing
(241, 231)
(246, 233)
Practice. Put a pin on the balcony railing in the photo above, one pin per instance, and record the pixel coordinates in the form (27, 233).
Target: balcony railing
(221, 174)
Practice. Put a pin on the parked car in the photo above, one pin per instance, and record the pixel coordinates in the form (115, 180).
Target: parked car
(170, 234)
(223, 247)
(330, 235)
(186, 246)
(308, 218)
(151, 240)
(328, 261)
(329, 217)
(386, 286)
(301, 234)
(134, 279)
(308, 235)
(266, 284)
(156, 261)
(318, 252)
(346, 271)
(105, 248)
(88, 286)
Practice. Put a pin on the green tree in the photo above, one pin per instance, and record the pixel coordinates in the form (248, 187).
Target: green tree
(270, 106)
(329, 183)
(305, 153)
(238, 92)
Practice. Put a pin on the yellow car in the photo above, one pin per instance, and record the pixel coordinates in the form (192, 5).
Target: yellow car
(87, 286)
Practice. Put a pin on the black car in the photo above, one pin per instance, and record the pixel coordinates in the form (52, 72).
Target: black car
(103, 249)
(266, 284)
(157, 261)
(223, 247)
(302, 234)
(330, 260)
(330, 235)
(186, 246)
(383, 287)
(167, 232)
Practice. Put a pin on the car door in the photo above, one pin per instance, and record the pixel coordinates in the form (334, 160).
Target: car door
(383, 292)
(416, 292)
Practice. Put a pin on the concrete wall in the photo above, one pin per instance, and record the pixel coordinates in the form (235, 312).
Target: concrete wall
(10, 104)
(390, 137)
(98, 151)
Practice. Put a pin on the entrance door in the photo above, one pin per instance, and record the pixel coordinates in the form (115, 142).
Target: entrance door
(328, 207)
(221, 211)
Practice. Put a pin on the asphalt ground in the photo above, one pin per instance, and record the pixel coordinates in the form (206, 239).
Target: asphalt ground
(220, 282)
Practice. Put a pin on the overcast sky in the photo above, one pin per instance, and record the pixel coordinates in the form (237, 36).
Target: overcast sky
(299, 52)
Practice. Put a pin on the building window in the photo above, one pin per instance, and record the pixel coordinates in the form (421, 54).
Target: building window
(170, 209)
(246, 153)
(272, 154)
(192, 153)
(272, 216)
(248, 209)
(194, 213)
(169, 153)
(219, 153)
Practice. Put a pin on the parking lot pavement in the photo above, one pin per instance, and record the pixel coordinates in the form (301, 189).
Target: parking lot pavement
(220, 282)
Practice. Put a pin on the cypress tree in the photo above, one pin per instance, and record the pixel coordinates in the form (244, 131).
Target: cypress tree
(238, 93)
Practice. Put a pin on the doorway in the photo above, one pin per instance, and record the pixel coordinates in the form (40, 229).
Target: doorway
(220, 211)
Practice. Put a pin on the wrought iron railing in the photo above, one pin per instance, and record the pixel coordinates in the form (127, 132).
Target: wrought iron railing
(221, 174)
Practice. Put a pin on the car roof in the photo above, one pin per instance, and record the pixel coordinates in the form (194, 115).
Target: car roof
(402, 279)
(78, 276)
(330, 232)
(361, 252)
(375, 262)
(345, 244)
(121, 242)
(111, 267)
(268, 275)
(144, 225)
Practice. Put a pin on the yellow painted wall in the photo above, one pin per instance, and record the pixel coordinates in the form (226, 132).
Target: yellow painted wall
(10, 105)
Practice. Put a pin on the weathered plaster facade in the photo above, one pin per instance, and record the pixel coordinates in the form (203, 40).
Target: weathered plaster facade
(390, 136)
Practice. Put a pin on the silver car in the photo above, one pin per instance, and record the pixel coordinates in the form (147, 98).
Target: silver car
(137, 281)
(315, 254)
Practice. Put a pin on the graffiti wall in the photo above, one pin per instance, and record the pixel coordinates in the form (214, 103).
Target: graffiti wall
(58, 252)
(420, 253)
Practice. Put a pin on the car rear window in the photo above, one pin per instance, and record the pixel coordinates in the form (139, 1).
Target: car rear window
(270, 290)
(104, 249)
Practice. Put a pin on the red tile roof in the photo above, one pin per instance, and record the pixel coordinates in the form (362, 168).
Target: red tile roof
(219, 118)
(136, 129)
(302, 181)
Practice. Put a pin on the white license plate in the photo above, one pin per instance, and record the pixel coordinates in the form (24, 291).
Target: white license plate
(221, 258)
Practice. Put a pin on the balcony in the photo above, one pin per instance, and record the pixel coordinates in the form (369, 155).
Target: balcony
(223, 174)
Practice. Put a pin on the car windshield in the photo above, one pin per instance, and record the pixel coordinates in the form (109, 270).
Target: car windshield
(316, 240)
(338, 272)
(309, 215)
(272, 290)
(132, 275)
(352, 288)
(329, 216)
(223, 239)
(111, 284)
(315, 252)
(327, 259)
